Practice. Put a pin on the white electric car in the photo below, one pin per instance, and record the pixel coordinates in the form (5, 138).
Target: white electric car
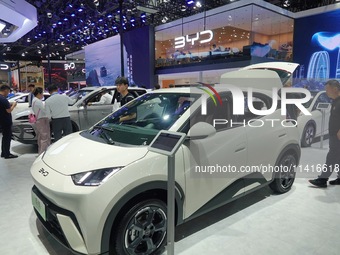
(101, 191)
(310, 127)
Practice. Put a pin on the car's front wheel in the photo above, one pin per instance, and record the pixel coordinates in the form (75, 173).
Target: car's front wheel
(308, 135)
(284, 174)
(142, 230)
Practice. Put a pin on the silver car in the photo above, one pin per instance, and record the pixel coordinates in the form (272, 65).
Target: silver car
(84, 113)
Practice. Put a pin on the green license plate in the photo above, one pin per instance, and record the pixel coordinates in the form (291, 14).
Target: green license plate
(39, 205)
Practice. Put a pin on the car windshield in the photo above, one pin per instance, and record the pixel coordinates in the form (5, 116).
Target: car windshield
(139, 121)
(79, 95)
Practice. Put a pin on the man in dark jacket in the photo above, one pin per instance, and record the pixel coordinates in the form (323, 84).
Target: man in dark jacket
(6, 122)
(333, 156)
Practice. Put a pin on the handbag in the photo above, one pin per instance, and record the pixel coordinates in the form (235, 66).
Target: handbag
(31, 117)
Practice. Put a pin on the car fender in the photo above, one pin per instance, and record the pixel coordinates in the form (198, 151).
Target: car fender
(295, 149)
(138, 191)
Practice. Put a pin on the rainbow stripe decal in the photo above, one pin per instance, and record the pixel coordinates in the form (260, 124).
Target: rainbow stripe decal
(211, 94)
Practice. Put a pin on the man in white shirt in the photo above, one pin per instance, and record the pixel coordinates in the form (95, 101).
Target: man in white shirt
(57, 108)
(105, 98)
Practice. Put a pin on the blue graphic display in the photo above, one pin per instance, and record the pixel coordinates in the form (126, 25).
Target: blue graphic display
(316, 48)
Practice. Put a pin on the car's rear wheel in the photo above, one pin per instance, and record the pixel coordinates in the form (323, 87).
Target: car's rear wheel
(284, 174)
(142, 229)
(308, 135)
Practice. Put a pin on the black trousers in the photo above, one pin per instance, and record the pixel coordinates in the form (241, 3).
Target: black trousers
(6, 140)
(332, 159)
(61, 127)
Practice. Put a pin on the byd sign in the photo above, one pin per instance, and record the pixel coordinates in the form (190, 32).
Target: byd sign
(238, 101)
(70, 66)
(201, 37)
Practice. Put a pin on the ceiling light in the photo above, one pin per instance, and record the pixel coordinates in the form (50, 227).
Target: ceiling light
(2, 26)
(286, 3)
(165, 19)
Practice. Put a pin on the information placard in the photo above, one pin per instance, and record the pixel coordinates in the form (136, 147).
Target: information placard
(167, 142)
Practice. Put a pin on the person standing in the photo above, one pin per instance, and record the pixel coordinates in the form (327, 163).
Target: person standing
(122, 87)
(105, 98)
(6, 122)
(30, 95)
(43, 123)
(57, 108)
(333, 156)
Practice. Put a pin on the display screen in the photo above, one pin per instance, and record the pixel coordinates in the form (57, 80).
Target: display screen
(323, 106)
(166, 141)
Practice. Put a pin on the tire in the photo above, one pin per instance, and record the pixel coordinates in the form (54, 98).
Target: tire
(308, 135)
(142, 229)
(284, 178)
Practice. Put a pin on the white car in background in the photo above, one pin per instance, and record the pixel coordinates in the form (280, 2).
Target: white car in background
(101, 191)
(310, 127)
(83, 114)
(22, 101)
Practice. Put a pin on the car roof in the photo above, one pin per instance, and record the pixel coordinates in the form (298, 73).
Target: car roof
(107, 87)
(196, 90)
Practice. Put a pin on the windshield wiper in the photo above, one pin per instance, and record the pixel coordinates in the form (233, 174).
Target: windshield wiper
(104, 135)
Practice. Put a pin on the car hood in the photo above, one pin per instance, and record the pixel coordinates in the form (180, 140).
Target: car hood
(75, 154)
(21, 115)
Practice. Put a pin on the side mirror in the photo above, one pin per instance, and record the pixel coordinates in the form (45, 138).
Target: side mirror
(201, 130)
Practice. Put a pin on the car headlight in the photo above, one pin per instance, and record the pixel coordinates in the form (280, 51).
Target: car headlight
(95, 177)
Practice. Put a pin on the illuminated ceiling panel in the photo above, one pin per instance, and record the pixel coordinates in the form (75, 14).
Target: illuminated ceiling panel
(19, 18)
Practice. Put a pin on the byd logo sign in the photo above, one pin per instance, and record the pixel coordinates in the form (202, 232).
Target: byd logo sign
(70, 66)
(182, 40)
(239, 100)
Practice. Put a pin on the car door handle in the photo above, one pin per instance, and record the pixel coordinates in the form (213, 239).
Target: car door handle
(282, 135)
(240, 149)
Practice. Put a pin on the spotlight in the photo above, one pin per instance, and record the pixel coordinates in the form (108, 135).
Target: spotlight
(96, 2)
(198, 4)
(165, 19)
(49, 15)
(286, 3)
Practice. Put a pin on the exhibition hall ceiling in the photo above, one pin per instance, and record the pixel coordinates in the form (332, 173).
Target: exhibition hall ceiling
(66, 26)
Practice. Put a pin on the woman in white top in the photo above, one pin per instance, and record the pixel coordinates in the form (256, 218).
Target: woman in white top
(43, 123)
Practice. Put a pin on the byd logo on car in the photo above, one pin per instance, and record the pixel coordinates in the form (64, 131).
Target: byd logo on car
(43, 172)
(239, 103)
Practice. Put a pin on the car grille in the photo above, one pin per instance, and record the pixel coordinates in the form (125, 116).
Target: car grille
(52, 224)
(15, 129)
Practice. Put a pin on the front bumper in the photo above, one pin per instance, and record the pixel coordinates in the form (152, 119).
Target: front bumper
(24, 133)
(56, 220)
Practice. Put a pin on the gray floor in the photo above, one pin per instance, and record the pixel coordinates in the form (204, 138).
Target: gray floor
(302, 221)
